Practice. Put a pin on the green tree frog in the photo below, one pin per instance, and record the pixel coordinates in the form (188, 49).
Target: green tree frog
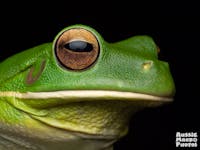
(79, 92)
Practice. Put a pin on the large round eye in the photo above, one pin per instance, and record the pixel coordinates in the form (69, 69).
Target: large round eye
(77, 49)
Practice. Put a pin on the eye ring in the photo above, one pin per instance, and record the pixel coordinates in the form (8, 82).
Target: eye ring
(77, 49)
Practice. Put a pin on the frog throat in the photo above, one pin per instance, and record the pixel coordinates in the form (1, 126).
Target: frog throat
(88, 111)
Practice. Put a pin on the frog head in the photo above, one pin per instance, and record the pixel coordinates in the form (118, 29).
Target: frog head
(83, 84)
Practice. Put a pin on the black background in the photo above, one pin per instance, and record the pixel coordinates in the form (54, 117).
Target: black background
(174, 25)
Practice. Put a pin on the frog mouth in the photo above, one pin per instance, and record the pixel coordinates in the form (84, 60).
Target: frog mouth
(88, 111)
(78, 95)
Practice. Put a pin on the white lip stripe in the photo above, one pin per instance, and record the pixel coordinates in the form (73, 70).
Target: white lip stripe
(84, 94)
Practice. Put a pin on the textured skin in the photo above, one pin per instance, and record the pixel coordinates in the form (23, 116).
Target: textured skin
(130, 65)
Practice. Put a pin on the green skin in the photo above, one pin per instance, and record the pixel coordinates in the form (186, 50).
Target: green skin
(89, 109)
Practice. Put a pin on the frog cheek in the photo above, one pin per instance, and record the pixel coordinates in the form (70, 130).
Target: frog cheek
(77, 49)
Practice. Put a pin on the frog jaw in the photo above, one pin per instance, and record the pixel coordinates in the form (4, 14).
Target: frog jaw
(90, 112)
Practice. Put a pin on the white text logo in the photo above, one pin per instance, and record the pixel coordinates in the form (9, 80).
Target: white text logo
(187, 139)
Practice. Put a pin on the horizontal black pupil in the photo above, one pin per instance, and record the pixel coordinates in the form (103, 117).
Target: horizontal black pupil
(79, 46)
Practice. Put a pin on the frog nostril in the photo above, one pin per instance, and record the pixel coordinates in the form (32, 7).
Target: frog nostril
(147, 65)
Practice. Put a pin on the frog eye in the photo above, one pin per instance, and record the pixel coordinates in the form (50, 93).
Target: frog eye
(77, 49)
